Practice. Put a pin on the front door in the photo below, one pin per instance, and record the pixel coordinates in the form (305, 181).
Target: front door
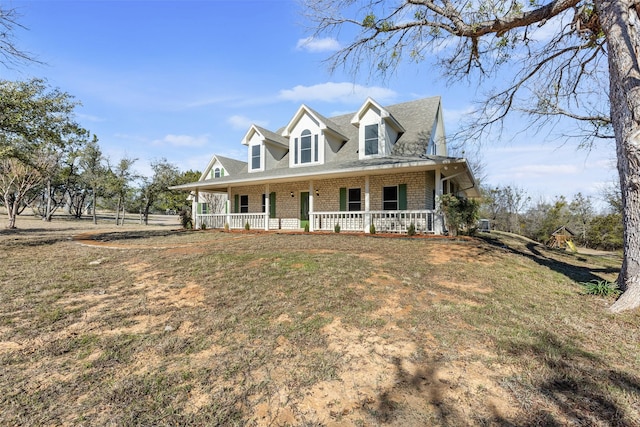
(304, 209)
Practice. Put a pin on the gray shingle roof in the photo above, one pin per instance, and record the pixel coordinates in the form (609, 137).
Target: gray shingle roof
(417, 117)
(232, 166)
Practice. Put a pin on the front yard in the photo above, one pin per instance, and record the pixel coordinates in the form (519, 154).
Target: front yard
(155, 326)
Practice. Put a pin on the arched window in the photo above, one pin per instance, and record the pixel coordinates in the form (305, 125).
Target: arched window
(306, 148)
(216, 173)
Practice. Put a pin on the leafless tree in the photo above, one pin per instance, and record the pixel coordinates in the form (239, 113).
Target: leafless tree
(215, 201)
(10, 54)
(585, 68)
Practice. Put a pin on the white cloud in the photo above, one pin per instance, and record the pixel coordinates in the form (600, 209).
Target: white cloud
(183, 140)
(312, 44)
(89, 118)
(243, 123)
(347, 93)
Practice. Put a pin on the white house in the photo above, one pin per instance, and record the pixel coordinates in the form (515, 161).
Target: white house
(381, 166)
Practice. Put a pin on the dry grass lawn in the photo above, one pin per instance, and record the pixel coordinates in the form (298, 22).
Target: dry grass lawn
(156, 326)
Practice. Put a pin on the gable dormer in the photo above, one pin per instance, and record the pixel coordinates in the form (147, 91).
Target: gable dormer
(310, 135)
(215, 169)
(437, 144)
(378, 130)
(265, 148)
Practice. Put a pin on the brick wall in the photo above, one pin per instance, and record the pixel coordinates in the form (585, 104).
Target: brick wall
(420, 186)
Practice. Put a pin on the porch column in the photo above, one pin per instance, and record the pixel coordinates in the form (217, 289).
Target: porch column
(367, 206)
(267, 207)
(194, 210)
(438, 225)
(311, 210)
(228, 208)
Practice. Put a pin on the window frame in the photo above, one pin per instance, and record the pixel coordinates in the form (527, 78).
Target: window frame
(369, 142)
(255, 157)
(352, 202)
(306, 148)
(386, 202)
(244, 203)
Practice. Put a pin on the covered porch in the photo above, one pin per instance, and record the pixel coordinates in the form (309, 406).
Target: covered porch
(424, 221)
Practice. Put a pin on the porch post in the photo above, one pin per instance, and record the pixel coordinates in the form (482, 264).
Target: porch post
(194, 211)
(311, 209)
(228, 207)
(267, 206)
(437, 217)
(367, 206)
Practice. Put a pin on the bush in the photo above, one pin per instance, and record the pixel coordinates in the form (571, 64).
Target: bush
(601, 288)
(460, 213)
(336, 228)
(226, 226)
(411, 230)
(185, 219)
(247, 226)
(306, 227)
(203, 226)
(372, 229)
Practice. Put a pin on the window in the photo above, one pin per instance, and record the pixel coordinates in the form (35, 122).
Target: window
(305, 150)
(204, 208)
(354, 199)
(305, 147)
(370, 140)
(244, 202)
(216, 173)
(390, 198)
(255, 157)
(264, 204)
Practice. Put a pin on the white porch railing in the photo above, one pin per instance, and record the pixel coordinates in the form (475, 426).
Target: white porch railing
(235, 221)
(383, 221)
(360, 221)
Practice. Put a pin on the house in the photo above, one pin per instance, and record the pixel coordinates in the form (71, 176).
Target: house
(380, 166)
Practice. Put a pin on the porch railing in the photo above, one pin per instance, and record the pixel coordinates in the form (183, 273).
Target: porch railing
(360, 221)
(235, 221)
(383, 221)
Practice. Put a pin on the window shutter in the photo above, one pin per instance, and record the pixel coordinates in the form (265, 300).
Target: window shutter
(236, 203)
(199, 208)
(221, 172)
(343, 199)
(272, 205)
(402, 197)
(315, 148)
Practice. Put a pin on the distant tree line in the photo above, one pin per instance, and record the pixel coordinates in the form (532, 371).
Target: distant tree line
(49, 163)
(509, 208)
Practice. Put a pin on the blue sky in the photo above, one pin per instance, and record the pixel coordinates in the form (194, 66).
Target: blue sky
(184, 80)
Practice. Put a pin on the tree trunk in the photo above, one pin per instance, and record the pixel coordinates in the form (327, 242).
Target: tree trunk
(13, 207)
(620, 22)
(48, 214)
(118, 210)
(93, 206)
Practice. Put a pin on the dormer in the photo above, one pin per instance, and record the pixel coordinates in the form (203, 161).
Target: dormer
(310, 135)
(214, 170)
(437, 144)
(378, 130)
(265, 148)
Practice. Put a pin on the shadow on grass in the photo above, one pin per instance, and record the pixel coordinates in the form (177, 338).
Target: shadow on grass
(137, 234)
(533, 252)
(567, 386)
